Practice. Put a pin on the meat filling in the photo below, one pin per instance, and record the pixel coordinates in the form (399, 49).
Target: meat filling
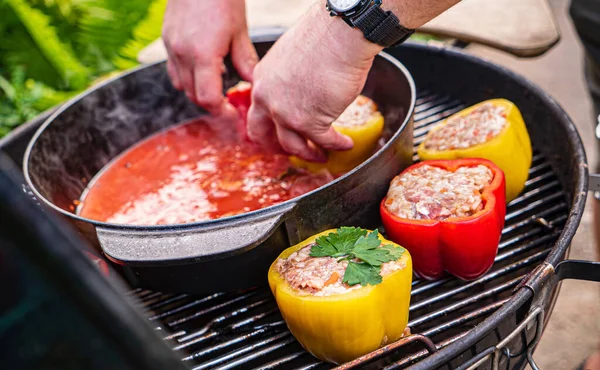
(432, 193)
(321, 276)
(478, 127)
(358, 113)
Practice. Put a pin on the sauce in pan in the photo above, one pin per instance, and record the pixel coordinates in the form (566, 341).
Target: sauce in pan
(189, 173)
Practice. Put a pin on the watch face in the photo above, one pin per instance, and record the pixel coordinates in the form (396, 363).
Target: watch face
(341, 6)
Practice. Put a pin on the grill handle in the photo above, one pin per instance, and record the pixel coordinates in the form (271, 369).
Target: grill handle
(568, 269)
(545, 278)
(578, 270)
(154, 245)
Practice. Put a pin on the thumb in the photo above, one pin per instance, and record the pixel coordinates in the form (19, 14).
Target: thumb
(243, 55)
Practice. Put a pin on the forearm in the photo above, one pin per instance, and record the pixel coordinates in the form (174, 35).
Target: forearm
(327, 62)
(415, 13)
(349, 43)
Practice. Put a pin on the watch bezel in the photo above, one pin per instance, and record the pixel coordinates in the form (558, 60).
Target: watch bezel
(357, 9)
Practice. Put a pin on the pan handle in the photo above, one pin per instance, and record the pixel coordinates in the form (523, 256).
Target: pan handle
(183, 244)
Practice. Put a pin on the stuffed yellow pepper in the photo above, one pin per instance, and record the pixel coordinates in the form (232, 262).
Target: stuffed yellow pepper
(363, 123)
(493, 130)
(343, 293)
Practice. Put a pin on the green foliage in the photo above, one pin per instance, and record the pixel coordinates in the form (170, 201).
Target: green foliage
(51, 50)
(63, 14)
(16, 104)
(55, 53)
(107, 25)
(424, 38)
(143, 34)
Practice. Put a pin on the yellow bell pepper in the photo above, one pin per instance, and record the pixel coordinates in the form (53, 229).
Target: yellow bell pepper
(341, 327)
(510, 150)
(364, 136)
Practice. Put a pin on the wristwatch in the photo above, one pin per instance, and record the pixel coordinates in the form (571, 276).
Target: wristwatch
(379, 26)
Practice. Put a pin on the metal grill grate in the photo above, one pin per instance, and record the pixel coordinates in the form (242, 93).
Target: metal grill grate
(245, 329)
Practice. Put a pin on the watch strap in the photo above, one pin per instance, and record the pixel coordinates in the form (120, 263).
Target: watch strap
(381, 27)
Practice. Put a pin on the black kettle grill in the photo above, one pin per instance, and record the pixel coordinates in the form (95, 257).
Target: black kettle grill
(58, 311)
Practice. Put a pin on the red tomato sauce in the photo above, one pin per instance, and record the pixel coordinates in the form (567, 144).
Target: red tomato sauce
(189, 173)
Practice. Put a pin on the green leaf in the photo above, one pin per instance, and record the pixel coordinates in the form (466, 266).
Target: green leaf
(7, 89)
(352, 243)
(146, 31)
(395, 252)
(367, 250)
(342, 240)
(375, 257)
(16, 98)
(379, 256)
(64, 16)
(106, 26)
(35, 29)
(346, 237)
(371, 241)
(361, 273)
(51, 50)
(50, 97)
(323, 248)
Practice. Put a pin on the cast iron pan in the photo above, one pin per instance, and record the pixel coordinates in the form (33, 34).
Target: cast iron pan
(81, 137)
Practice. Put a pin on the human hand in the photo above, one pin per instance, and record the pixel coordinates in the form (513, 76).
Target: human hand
(198, 34)
(307, 79)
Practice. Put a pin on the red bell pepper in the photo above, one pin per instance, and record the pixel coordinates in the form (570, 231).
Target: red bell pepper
(465, 247)
(240, 96)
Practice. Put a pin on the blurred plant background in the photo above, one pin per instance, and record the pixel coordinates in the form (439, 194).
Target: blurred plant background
(51, 50)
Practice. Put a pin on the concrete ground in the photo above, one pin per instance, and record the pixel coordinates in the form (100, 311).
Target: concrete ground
(574, 328)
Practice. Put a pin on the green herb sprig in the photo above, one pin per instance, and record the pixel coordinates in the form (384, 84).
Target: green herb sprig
(351, 244)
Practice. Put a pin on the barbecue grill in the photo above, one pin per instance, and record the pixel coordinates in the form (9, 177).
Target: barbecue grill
(490, 323)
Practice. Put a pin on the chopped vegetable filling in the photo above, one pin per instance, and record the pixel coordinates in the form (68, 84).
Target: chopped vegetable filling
(321, 276)
(339, 262)
(460, 132)
(358, 113)
(434, 193)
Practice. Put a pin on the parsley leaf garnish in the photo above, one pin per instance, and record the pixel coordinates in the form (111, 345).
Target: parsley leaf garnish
(367, 250)
(362, 273)
(323, 248)
(337, 244)
(395, 252)
(362, 249)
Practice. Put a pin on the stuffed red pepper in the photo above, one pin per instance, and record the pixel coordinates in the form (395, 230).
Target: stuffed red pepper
(449, 214)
